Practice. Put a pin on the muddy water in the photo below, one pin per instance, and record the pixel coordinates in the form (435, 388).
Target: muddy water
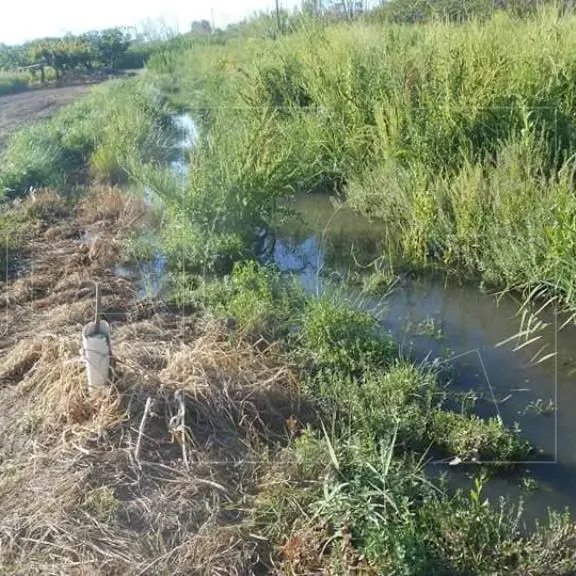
(463, 328)
(151, 275)
(456, 324)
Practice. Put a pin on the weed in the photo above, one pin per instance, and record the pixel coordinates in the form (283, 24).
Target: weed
(539, 407)
(102, 503)
(46, 205)
(529, 484)
(470, 437)
(430, 328)
(339, 338)
(13, 223)
(254, 298)
(378, 283)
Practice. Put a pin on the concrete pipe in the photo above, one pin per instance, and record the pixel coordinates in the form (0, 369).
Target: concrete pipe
(97, 354)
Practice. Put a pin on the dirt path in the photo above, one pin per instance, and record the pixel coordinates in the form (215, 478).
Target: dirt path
(16, 110)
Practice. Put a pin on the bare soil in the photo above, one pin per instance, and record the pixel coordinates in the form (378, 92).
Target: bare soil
(16, 110)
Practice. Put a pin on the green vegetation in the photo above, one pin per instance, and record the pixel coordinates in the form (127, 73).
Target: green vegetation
(460, 140)
(11, 222)
(87, 51)
(12, 82)
(447, 133)
(40, 61)
(97, 137)
(352, 368)
(411, 11)
(442, 132)
(398, 521)
(17, 220)
(351, 480)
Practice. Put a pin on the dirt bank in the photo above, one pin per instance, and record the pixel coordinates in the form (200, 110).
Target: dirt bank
(16, 110)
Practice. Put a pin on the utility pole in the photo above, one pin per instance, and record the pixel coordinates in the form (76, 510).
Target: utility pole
(278, 15)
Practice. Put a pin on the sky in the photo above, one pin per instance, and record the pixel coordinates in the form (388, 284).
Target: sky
(26, 20)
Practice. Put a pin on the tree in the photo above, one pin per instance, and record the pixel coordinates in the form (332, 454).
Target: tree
(156, 31)
(12, 57)
(312, 7)
(62, 54)
(67, 53)
(90, 53)
(110, 45)
(337, 8)
(40, 54)
(200, 28)
(347, 8)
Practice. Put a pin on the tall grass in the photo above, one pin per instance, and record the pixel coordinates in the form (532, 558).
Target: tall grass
(461, 137)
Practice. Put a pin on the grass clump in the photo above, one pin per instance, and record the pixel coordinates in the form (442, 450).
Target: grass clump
(489, 539)
(239, 176)
(471, 437)
(253, 299)
(409, 403)
(337, 337)
(357, 506)
(19, 219)
(102, 504)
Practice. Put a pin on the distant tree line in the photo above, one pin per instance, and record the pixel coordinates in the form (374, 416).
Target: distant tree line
(86, 52)
(335, 8)
(112, 49)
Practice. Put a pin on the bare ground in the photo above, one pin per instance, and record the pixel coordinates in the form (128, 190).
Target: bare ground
(16, 110)
(76, 495)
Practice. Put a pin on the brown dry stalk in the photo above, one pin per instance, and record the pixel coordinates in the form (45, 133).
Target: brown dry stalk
(96, 485)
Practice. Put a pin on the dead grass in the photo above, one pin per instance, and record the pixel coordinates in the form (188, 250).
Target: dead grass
(153, 476)
(73, 496)
(63, 259)
(308, 551)
(46, 205)
(107, 204)
(21, 360)
(76, 494)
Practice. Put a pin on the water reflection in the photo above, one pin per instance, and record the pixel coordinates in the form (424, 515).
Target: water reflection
(468, 328)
